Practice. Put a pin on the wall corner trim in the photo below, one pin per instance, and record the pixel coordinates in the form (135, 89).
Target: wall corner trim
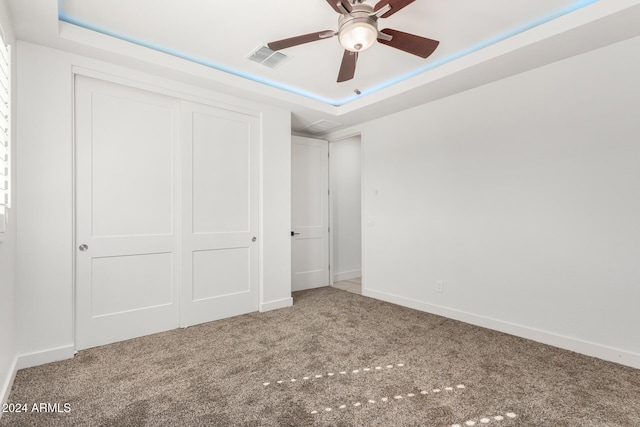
(586, 348)
(275, 305)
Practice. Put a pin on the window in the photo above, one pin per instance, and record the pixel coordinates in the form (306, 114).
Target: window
(5, 134)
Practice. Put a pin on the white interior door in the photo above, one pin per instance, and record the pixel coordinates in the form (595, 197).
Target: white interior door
(220, 213)
(309, 213)
(126, 205)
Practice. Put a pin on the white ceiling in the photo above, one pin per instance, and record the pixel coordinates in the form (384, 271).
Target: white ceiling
(208, 41)
(223, 33)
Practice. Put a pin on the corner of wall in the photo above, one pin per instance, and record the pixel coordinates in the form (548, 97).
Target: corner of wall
(5, 391)
(8, 246)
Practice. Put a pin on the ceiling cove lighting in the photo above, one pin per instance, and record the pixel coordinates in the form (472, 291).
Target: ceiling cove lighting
(486, 43)
(191, 58)
(63, 17)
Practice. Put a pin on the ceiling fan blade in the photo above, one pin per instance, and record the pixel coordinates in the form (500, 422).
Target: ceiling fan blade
(348, 66)
(410, 43)
(305, 38)
(396, 5)
(345, 4)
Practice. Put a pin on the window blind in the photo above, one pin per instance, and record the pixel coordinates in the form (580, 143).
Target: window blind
(5, 132)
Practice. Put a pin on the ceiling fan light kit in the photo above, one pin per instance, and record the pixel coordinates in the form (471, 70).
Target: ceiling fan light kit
(358, 31)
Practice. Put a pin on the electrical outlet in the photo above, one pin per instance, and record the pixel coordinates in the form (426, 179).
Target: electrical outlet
(439, 286)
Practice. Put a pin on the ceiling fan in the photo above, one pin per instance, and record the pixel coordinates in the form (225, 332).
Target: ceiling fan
(358, 31)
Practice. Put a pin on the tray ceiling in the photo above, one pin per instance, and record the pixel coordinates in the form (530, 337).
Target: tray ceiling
(222, 35)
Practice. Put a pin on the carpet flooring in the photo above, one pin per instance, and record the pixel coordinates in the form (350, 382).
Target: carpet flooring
(333, 359)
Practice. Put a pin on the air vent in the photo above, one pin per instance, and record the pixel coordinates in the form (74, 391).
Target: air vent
(321, 126)
(267, 57)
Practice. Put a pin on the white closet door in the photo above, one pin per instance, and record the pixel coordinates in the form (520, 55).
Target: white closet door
(219, 213)
(309, 213)
(126, 206)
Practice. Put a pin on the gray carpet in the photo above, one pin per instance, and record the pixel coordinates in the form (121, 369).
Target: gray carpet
(366, 363)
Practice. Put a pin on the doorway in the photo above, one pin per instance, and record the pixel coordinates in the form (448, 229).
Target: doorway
(346, 213)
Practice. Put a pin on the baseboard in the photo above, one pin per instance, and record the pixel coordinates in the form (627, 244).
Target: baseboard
(275, 305)
(347, 275)
(8, 383)
(46, 356)
(567, 343)
(307, 287)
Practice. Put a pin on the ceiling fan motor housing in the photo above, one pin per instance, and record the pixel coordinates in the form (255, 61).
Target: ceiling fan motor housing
(358, 30)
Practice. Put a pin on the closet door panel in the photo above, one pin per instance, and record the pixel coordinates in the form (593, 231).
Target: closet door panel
(126, 204)
(220, 213)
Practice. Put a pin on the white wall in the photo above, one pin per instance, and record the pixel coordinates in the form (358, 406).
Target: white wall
(45, 271)
(344, 172)
(276, 209)
(8, 249)
(523, 197)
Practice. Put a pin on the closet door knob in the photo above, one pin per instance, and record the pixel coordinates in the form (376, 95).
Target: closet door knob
(83, 247)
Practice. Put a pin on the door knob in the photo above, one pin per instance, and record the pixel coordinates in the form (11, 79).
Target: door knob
(253, 239)
(293, 233)
(83, 247)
